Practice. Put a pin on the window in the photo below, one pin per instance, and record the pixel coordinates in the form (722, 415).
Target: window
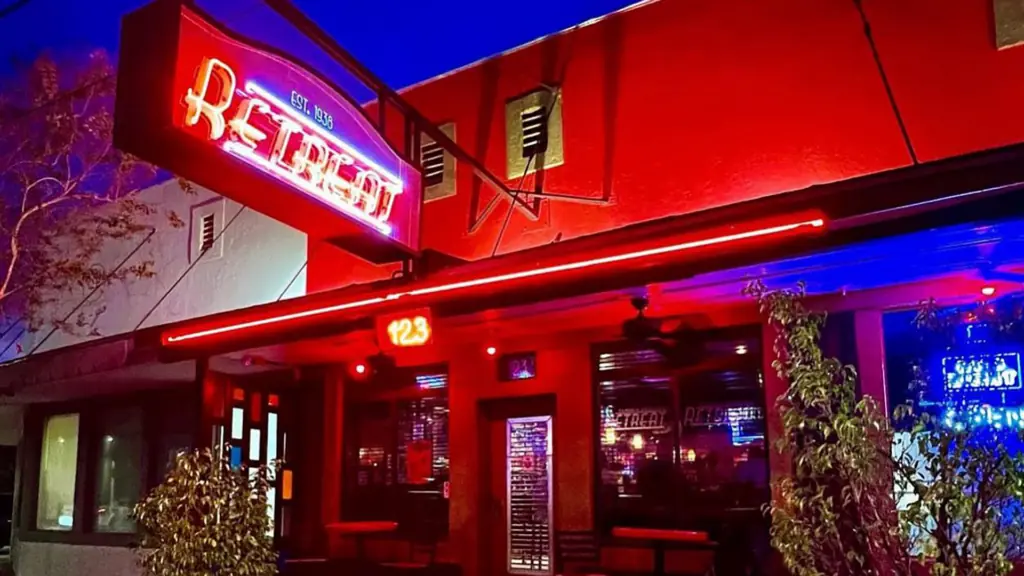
(438, 166)
(251, 418)
(119, 474)
(533, 129)
(970, 379)
(57, 473)
(397, 456)
(127, 444)
(682, 449)
(528, 493)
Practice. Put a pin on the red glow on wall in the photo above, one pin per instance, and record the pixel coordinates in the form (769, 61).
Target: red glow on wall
(370, 303)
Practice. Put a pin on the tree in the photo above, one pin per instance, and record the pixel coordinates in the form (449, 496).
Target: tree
(66, 194)
(960, 486)
(961, 475)
(835, 515)
(207, 519)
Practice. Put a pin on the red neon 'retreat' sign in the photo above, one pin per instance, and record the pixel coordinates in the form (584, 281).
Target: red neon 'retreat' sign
(278, 138)
(256, 126)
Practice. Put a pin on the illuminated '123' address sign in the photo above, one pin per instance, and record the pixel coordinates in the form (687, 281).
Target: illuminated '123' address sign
(257, 127)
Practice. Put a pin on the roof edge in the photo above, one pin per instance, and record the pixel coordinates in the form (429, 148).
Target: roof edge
(513, 50)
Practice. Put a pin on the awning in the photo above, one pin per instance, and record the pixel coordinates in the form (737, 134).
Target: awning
(948, 192)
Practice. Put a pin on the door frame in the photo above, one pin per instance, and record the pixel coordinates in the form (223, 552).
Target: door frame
(490, 410)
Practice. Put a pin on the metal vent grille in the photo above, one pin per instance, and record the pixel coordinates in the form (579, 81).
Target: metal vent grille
(535, 131)
(529, 496)
(607, 361)
(424, 419)
(432, 159)
(206, 233)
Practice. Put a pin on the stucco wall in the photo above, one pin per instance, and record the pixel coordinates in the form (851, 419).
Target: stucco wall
(251, 263)
(10, 426)
(45, 558)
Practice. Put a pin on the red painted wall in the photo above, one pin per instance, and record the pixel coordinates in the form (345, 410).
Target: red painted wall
(675, 107)
(957, 93)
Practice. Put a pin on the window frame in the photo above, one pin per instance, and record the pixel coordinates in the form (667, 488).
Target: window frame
(447, 186)
(517, 164)
(600, 513)
(392, 399)
(83, 530)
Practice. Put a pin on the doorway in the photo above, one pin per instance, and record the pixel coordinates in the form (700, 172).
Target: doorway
(517, 486)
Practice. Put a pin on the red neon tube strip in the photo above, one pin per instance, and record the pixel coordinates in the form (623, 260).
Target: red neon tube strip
(171, 338)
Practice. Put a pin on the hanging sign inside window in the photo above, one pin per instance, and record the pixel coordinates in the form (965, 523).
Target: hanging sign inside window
(712, 415)
(408, 330)
(254, 125)
(642, 420)
(418, 457)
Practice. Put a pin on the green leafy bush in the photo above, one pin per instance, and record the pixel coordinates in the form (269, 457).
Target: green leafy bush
(207, 519)
(865, 499)
(835, 515)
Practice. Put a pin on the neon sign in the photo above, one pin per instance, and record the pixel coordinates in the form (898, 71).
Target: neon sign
(258, 126)
(406, 330)
(413, 331)
(260, 129)
(981, 373)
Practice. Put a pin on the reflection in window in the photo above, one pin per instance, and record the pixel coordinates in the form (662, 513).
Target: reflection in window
(969, 379)
(683, 448)
(57, 469)
(397, 455)
(119, 469)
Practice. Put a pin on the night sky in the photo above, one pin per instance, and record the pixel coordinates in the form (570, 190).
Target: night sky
(403, 41)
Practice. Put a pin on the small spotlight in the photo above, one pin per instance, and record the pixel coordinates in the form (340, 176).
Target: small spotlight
(742, 349)
(491, 350)
(988, 290)
(360, 368)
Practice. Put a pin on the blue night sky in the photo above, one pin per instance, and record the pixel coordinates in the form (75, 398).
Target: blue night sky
(402, 41)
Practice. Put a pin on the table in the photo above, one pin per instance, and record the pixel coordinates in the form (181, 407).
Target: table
(360, 530)
(660, 540)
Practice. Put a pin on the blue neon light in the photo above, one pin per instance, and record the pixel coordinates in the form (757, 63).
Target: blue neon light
(745, 425)
(967, 374)
(998, 417)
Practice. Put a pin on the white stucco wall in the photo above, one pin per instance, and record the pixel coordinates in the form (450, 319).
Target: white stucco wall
(253, 262)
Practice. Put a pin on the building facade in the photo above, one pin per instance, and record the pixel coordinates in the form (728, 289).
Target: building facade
(235, 258)
(497, 397)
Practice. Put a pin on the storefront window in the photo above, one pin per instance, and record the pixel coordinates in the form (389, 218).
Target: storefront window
(682, 447)
(57, 472)
(965, 372)
(119, 472)
(397, 458)
(128, 444)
